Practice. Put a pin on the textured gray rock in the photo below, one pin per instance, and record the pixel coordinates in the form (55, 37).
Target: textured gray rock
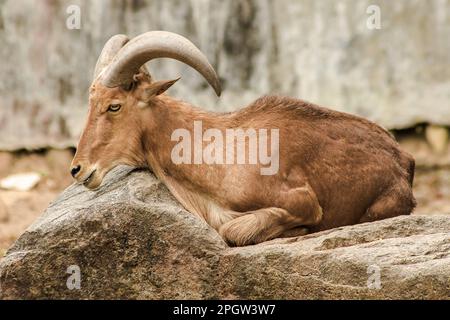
(320, 51)
(131, 239)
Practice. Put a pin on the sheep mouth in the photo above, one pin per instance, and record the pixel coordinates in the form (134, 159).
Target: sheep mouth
(88, 179)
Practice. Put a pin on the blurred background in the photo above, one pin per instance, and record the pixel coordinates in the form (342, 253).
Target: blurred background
(388, 61)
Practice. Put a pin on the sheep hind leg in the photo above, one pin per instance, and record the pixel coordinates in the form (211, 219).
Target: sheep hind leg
(396, 201)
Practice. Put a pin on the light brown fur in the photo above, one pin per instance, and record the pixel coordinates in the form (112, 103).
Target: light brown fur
(335, 169)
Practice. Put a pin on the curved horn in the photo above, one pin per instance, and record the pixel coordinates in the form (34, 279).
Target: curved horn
(152, 45)
(110, 49)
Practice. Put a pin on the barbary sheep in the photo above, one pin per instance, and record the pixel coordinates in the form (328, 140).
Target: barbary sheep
(323, 169)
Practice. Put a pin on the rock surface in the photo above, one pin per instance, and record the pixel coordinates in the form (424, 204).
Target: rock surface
(130, 239)
(320, 51)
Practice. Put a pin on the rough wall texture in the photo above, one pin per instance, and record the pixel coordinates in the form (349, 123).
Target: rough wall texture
(320, 51)
(131, 239)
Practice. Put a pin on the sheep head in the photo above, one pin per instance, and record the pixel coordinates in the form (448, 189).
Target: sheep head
(121, 97)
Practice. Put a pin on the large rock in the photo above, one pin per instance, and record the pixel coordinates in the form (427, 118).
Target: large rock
(131, 239)
(316, 50)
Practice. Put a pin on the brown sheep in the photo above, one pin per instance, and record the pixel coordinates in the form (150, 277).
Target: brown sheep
(333, 168)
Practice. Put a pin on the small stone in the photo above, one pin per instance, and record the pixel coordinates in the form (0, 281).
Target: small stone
(437, 137)
(20, 182)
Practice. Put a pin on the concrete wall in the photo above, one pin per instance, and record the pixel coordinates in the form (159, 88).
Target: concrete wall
(318, 50)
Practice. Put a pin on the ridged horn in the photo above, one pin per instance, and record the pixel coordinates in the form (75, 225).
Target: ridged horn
(152, 45)
(110, 49)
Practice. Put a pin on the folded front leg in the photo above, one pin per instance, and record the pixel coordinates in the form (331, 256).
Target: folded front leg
(255, 226)
(268, 223)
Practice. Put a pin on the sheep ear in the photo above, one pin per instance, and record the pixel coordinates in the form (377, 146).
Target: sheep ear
(158, 87)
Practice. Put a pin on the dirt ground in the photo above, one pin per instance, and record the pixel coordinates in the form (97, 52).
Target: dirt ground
(19, 209)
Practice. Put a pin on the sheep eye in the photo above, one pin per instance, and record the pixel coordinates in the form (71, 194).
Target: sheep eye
(114, 107)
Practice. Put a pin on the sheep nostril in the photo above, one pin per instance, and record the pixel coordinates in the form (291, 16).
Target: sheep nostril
(75, 170)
